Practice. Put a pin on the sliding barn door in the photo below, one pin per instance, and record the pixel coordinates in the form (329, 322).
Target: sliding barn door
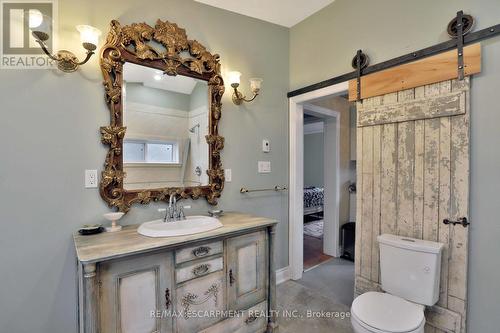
(413, 172)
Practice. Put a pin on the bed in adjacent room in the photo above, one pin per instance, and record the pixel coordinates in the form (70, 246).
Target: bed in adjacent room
(313, 200)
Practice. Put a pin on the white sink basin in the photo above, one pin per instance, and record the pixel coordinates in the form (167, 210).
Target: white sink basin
(191, 225)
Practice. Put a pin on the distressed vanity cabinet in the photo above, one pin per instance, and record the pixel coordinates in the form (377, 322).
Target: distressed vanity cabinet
(132, 283)
(247, 266)
(129, 286)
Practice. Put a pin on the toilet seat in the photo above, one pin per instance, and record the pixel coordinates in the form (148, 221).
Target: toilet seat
(384, 313)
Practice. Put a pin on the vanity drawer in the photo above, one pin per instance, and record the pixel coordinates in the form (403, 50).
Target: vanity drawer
(198, 251)
(199, 268)
(197, 297)
(250, 321)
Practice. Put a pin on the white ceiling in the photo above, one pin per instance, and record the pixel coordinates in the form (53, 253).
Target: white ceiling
(283, 12)
(146, 76)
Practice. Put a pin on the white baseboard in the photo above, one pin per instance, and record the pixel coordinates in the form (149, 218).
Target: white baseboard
(283, 274)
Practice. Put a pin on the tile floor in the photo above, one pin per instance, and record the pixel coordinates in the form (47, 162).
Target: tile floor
(327, 288)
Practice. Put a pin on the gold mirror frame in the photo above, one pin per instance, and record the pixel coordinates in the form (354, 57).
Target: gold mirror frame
(135, 43)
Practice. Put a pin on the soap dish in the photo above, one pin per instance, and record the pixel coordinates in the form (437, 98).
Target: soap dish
(91, 229)
(216, 213)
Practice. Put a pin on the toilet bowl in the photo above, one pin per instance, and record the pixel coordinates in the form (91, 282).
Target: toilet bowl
(410, 275)
(375, 312)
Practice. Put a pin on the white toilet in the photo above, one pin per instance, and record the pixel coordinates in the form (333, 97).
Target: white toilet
(410, 274)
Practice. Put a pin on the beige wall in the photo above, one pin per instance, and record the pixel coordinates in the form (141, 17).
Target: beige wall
(388, 28)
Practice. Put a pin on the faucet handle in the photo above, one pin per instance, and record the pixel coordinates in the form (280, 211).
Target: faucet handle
(182, 216)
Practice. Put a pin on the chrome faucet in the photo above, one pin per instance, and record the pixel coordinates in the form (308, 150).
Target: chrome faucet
(174, 212)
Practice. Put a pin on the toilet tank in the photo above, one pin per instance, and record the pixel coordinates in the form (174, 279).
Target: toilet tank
(410, 268)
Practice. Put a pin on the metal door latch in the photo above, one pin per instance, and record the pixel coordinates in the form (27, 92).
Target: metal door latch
(462, 220)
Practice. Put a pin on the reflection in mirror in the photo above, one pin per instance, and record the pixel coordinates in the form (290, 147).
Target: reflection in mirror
(167, 120)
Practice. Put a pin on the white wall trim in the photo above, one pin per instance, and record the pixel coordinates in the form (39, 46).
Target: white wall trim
(283, 274)
(296, 181)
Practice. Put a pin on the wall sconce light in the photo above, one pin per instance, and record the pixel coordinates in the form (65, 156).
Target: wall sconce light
(66, 60)
(238, 97)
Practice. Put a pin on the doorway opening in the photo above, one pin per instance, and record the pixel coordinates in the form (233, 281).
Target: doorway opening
(321, 150)
(322, 189)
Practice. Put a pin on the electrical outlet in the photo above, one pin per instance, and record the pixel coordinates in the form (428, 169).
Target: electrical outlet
(228, 175)
(264, 166)
(90, 178)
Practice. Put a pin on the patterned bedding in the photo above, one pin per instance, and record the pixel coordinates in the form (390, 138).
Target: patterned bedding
(313, 196)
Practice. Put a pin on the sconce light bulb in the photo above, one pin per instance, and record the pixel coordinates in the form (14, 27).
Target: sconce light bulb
(234, 78)
(35, 18)
(89, 34)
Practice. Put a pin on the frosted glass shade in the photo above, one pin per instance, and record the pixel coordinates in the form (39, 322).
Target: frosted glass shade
(234, 77)
(89, 34)
(255, 84)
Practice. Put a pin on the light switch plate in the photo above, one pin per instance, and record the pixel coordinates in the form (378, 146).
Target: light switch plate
(264, 166)
(266, 146)
(228, 175)
(90, 178)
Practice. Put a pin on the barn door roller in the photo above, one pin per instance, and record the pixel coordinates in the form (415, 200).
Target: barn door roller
(460, 26)
(359, 62)
(468, 37)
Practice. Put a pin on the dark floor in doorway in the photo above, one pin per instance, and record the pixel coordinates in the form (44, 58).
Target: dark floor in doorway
(313, 252)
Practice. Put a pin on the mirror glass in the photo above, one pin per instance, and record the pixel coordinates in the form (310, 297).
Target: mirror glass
(167, 120)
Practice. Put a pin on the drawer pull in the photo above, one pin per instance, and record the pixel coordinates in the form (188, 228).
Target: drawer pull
(232, 279)
(167, 299)
(201, 270)
(201, 251)
(251, 319)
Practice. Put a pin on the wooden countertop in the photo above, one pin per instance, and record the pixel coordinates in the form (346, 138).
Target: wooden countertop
(111, 245)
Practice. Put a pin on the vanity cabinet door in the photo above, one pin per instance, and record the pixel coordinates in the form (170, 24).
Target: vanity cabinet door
(134, 292)
(247, 266)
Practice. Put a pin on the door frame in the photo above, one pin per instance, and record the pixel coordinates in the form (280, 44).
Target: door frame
(296, 173)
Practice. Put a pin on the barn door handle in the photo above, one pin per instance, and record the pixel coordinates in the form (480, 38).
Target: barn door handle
(462, 220)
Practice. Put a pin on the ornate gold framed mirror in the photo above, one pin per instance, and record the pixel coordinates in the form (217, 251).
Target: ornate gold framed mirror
(164, 96)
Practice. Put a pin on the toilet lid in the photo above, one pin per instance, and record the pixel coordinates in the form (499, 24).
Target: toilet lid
(387, 312)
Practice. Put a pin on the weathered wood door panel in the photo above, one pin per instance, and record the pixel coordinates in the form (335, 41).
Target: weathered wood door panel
(413, 172)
